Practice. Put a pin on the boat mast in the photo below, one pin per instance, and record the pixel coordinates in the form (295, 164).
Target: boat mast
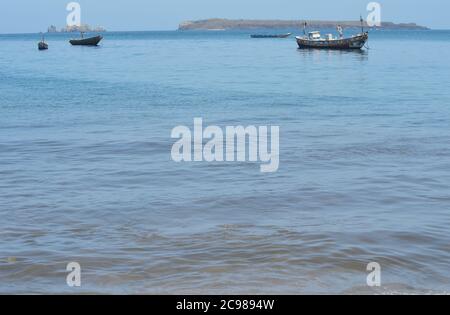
(304, 28)
(362, 23)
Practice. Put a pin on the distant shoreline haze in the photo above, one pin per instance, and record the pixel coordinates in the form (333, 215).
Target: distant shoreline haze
(241, 24)
(227, 24)
(85, 28)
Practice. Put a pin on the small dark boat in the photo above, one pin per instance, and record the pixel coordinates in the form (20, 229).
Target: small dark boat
(272, 36)
(42, 45)
(91, 41)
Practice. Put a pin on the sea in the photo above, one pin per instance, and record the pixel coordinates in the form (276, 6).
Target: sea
(87, 176)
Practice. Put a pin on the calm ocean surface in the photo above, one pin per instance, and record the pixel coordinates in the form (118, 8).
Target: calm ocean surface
(86, 173)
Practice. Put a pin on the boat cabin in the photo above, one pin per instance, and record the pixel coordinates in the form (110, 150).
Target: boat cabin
(314, 35)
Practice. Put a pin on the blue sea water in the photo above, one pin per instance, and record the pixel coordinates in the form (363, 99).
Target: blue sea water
(86, 173)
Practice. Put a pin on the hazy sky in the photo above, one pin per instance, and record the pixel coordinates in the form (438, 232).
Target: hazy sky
(36, 15)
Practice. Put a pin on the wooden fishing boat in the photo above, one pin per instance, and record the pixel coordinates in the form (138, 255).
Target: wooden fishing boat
(91, 41)
(42, 45)
(272, 36)
(314, 40)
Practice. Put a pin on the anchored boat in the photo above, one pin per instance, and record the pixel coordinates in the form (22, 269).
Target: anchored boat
(272, 36)
(315, 40)
(42, 45)
(91, 41)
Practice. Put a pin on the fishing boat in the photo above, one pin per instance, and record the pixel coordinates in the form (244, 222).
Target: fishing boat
(272, 36)
(315, 40)
(42, 45)
(91, 41)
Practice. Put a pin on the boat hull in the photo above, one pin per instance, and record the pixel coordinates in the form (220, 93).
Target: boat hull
(42, 46)
(92, 41)
(355, 42)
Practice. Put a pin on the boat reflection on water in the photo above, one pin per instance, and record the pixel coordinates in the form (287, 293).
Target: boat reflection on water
(318, 55)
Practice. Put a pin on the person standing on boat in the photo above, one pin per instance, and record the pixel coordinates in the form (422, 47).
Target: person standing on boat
(340, 31)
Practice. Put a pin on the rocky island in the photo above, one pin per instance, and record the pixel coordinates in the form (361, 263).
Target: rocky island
(225, 24)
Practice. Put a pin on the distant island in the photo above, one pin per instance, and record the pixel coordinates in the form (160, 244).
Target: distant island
(225, 24)
(72, 29)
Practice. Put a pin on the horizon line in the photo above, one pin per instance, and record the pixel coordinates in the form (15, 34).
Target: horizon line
(178, 30)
